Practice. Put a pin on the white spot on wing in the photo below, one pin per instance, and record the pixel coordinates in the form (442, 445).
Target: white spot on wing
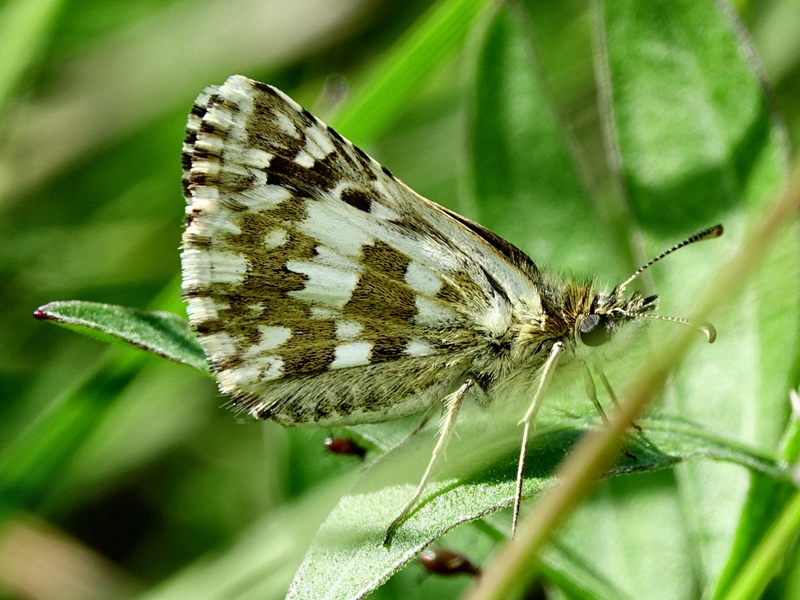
(219, 117)
(334, 230)
(205, 309)
(422, 279)
(285, 124)
(204, 198)
(271, 368)
(265, 197)
(203, 267)
(351, 354)
(430, 312)
(304, 159)
(498, 318)
(347, 330)
(320, 312)
(275, 239)
(418, 347)
(332, 258)
(217, 223)
(381, 211)
(230, 380)
(258, 158)
(218, 345)
(203, 165)
(265, 368)
(271, 338)
(318, 143)
(237, 87)
(326, 285)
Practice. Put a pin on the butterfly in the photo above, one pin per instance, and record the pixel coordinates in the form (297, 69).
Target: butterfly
(326, 292)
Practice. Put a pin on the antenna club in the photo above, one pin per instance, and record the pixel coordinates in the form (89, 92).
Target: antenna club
(705, 327)
(708, 234)
(710, 331)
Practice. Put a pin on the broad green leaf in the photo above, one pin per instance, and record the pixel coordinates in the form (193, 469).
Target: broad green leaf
(528, 188)
(524, 178)
(347, 558)
(559, 565)
(765, 498)
(162, 333)
(695, 132)
(573, 575)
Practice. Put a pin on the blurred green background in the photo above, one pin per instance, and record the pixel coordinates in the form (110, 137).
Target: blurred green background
(122, 473)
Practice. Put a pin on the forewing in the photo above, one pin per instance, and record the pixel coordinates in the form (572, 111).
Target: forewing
(319, 283)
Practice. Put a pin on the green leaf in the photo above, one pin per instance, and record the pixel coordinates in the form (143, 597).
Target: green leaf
(162, 333)
(574, 576)
(695, 132)
(524, 178)
(347, 558)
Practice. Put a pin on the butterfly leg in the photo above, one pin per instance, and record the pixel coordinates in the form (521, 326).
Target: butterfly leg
(547, 372)
(591, 391)
(607, 385)
(452, 405)
(426, 417)
(422, 423)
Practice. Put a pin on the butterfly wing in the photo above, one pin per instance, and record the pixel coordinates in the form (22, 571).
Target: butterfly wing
(323, 289)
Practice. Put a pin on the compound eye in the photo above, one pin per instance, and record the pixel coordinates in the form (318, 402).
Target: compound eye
(595, 330)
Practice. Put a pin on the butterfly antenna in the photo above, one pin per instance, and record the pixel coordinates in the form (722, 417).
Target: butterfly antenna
(706, 234)
(705, 327)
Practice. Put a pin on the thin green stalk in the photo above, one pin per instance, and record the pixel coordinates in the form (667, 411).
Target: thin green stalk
(24, 29)
(413, 59)
(769, 555)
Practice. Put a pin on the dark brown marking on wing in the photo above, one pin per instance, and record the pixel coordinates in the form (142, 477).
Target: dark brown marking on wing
(382, 293)
(312, 348)
(357, 199)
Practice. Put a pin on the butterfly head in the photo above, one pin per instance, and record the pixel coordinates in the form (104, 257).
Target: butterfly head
(607, 312)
